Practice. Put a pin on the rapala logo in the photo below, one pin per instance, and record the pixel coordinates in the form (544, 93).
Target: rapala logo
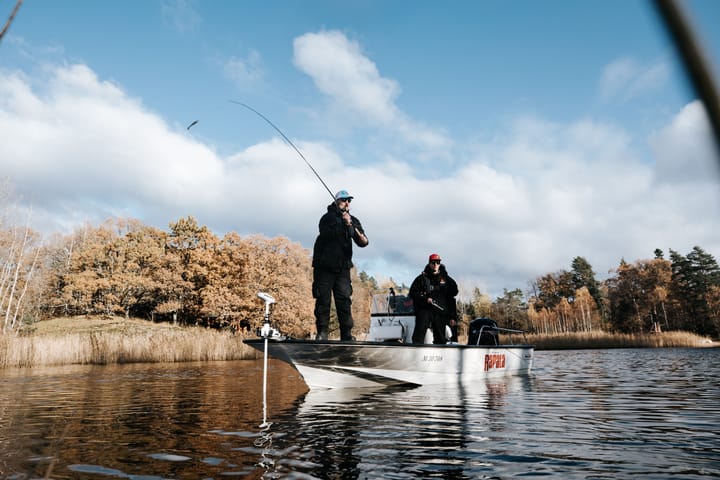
(494, 360)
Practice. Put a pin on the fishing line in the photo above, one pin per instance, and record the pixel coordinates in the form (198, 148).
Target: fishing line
(287, 140)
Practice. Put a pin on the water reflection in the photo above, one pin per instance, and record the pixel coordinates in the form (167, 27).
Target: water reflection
(133, 419)
(409, 432)
(600, 414)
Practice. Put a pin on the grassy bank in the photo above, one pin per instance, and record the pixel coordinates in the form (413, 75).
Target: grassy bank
(599, 339)
(94, 340)
(101, 340)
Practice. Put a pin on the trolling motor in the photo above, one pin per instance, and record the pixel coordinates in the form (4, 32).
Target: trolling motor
(265, 332)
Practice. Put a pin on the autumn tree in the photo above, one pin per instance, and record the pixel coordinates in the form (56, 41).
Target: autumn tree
(583, 276)
(510, 309)
(134, 255)
(281, 268)
(638, 294)
(183, 272)
(478, 305)
(108, 269)
(551, 288)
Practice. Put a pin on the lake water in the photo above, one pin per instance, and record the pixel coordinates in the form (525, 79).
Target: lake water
(646, 413)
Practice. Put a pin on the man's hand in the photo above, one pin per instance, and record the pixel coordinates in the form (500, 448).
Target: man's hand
(363, 239)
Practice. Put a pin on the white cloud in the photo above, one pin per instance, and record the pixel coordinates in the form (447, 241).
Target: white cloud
(684, 149)
(180, 14)
(80, 149)
(341, 71)
(625, 79)
(83, 140)
(246, 73)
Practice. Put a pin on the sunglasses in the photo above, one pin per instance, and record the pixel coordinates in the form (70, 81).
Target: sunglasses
(348, 200)
(435, 262)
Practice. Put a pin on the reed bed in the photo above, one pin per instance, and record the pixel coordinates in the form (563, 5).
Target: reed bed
(122, 342)
(600, 339)
(82, 340)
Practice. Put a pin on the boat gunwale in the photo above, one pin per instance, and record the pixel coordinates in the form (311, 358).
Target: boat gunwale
(392, 344)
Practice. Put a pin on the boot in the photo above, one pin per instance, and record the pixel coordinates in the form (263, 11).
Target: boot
(321, 335)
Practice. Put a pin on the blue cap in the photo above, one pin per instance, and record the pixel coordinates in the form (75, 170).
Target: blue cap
(342, 194)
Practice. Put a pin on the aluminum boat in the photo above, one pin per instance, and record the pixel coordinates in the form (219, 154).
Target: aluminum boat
(387, 356)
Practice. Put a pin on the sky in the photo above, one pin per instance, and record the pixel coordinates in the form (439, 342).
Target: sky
(508, 137)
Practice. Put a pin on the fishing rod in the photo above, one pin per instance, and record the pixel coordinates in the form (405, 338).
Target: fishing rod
(287, 140)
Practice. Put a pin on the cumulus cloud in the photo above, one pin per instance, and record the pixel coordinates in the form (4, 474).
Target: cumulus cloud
(684, 149)
(79, 148)
(345, 74)
(84, 141)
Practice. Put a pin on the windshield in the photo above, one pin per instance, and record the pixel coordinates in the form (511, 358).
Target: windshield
(388, 304)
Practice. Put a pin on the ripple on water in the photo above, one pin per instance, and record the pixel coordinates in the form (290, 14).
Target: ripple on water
(582, 414)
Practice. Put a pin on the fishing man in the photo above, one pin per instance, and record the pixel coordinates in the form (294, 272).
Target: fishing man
(433, 293)
(332, 261)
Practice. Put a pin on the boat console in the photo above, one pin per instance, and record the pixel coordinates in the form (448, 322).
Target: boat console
(392, 318)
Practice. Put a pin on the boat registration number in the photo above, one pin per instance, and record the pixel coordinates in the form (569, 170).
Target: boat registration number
(432, 358)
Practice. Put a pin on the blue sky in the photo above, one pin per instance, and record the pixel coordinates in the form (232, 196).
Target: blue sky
(509, 137)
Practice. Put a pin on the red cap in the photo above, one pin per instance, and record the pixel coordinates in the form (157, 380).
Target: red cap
(434, 256)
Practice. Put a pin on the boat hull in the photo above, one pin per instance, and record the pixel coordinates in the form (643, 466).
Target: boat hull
(330, 364)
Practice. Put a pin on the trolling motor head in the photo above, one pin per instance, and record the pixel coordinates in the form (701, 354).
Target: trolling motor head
(267, 298)
(266, 330)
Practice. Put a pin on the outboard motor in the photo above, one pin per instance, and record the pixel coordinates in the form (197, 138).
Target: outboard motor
(485, 330)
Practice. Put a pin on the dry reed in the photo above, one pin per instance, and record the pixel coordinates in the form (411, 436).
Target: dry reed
(600, 339)
(118, 345)
(118, 340)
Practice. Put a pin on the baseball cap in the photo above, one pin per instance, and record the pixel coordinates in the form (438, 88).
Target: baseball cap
(342, 194)
(434, 256)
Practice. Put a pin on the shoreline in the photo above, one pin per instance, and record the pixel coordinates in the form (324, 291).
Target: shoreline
(116, 340)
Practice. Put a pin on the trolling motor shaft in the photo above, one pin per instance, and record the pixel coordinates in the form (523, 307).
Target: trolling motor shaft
(266, 331)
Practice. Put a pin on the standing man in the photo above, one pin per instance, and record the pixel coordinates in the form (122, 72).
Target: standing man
(332, 261)
(433, 293)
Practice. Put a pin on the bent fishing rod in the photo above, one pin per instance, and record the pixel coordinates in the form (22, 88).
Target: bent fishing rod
(287, 140)
(346, 210)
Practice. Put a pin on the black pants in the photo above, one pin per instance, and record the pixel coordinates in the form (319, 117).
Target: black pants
(338, 284)
(425, 318)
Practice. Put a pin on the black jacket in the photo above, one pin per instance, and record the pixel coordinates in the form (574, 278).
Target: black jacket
(333, 246)
(441, 288)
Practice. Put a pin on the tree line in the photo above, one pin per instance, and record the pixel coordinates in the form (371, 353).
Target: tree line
(679, 293)
(189, 275)
(186, 275)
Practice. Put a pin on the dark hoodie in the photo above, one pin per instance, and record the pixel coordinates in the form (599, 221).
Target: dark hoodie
(333, 246)
(440, 287)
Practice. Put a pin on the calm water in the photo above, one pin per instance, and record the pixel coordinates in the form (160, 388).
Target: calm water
(581, 414)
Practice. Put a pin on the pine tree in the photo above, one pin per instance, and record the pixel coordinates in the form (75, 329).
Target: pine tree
(695, 280)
